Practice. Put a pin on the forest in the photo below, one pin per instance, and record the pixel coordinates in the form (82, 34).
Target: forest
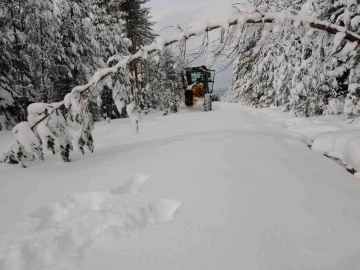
(265, 176)
(305, 71)
(49, 47)
(68, 64)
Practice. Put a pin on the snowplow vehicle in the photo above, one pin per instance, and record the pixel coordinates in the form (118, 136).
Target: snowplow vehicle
(200, 85)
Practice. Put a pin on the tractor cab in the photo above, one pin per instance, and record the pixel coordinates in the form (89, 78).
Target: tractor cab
(201, 75)
(200, 84)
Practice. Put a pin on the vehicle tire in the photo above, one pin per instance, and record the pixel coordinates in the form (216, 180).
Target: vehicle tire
(207, 103)
(189, 98)
(215, 97)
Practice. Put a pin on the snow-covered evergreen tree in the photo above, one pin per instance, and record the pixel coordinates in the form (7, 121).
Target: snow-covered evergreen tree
(109, 39)
(7, 114)
(50, 47)
(304, 70)
(286, 49)
(42, 29)
(13, 65)
(138, 28)
(163, 83)
(75, 62)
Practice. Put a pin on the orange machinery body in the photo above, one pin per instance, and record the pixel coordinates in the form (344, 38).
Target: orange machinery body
(198, 90)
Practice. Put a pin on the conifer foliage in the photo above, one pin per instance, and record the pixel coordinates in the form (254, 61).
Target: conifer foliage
(305, 71)
(49, 47)
(287, 61)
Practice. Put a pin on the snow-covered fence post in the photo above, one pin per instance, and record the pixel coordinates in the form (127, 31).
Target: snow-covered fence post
(46, 126)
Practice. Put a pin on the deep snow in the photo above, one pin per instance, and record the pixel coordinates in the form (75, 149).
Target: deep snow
(228, 189)
(331, 135)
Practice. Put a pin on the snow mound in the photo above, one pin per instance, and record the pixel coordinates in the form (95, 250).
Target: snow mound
(70, 208)
(132, 186)
(312, 130)
(58, 235)
(352, 155)
(163, 210)
(344, 145)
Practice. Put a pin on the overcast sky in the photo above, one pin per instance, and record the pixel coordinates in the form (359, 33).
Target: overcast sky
(183, 12)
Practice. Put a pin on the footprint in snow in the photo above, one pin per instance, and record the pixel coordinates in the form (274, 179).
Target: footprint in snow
(61, 232)
(131, 186)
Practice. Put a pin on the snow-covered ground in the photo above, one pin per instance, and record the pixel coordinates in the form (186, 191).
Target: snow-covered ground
(330, 135)
(235, 188)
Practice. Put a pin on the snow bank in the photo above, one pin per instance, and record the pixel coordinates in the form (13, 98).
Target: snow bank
(344, 145)
(300, 137)
(312, 130)
(328, 134)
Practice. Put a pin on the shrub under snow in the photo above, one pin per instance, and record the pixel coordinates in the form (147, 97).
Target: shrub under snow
(335, 107)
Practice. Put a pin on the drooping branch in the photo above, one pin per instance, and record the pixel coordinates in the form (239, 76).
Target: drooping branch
(297, 19)
(254, 17)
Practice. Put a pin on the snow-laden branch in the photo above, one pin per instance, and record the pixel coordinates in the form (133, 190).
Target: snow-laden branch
(296, 18)
(292, 17)
(54, 128)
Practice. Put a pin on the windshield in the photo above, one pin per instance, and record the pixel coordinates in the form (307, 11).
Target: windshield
(195, 77)
(202, 76)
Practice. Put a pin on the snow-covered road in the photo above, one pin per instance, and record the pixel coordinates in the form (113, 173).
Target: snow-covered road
(227, 189)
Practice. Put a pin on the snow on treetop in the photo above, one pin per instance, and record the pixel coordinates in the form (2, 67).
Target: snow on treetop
(198, 27)
(38, 108)
(353, 87)
(158, 44)
(25, 136)
(5, 98)
(348, 48)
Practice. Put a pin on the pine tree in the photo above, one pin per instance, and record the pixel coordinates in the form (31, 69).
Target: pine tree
(7, 114)
(41, 26)
(108, 40)
(13, 64)
(138, 27)
(74, 61)
(305, 71)
(241, 88)
(163, 83)
(345, 60)
(250, 51)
